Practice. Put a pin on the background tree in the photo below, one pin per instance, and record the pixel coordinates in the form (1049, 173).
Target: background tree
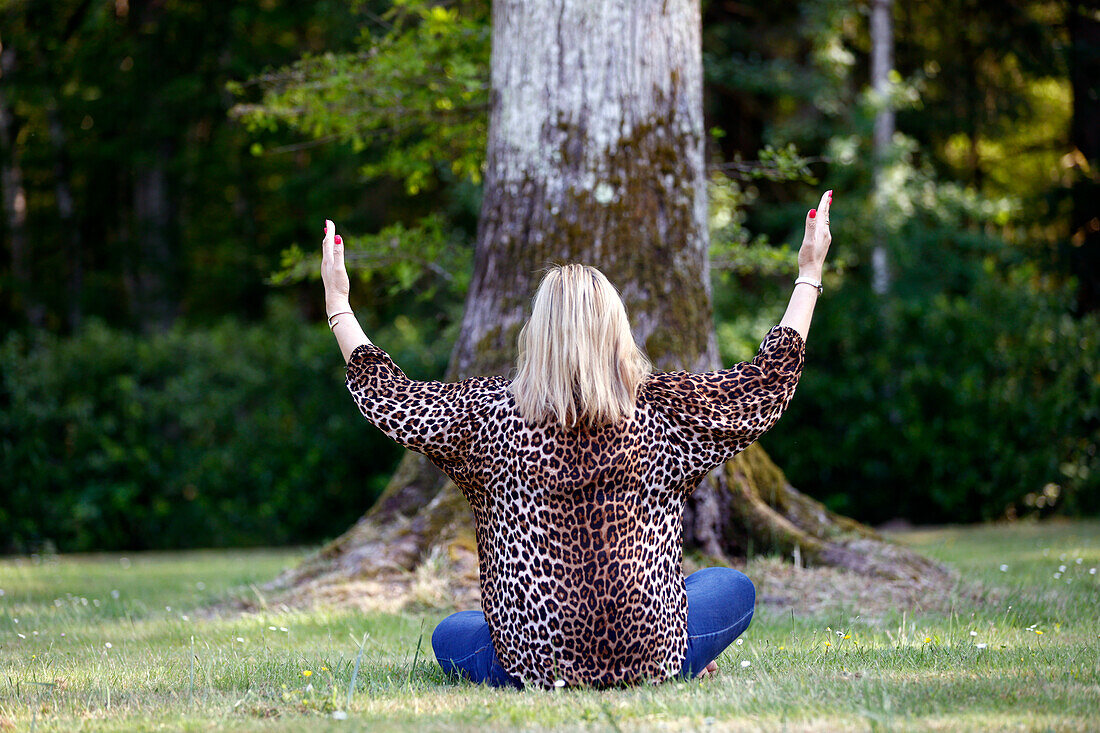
(1084, 33)
(382, 125)
(596, 155)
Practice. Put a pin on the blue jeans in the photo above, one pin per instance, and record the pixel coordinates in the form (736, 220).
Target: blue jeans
(720, 606)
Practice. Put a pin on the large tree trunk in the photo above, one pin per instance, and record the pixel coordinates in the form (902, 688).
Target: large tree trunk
(882, 63)
(1084, 28)
(596, 156)
(15, 201)
(155, 260)
(66, 215)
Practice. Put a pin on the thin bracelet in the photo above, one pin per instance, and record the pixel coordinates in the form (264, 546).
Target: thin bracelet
(332, 325)
(817, 284)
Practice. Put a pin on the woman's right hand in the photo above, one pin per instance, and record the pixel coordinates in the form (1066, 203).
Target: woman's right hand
(815, 244)
(333, 272)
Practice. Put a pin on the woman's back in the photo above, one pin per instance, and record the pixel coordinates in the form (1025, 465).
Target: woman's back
(579, 528)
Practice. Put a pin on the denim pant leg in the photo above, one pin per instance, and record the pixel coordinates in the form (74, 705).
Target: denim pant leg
(462, 646)
(720, 606)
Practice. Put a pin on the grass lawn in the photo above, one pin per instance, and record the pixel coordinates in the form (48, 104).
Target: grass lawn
(111, 642)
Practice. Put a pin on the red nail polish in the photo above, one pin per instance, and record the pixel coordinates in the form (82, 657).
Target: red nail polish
(813, 213)
(338, 240)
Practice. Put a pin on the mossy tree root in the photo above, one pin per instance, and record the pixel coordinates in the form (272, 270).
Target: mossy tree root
(765, 512)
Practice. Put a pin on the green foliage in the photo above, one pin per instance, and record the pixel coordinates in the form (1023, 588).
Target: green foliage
(231, 435)
(959, 392)
(965, 391)
(422, 259)
(417, 96)
(734, 250)
(103, 93)
(412, 105)
(947, 405)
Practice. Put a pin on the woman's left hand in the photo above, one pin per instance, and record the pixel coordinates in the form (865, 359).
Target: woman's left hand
(333, 272)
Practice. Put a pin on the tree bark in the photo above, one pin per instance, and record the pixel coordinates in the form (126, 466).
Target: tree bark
(66, 215)
(154, 254)
(882, 63)
(15, 200)
(1084, 29)
(595, 155)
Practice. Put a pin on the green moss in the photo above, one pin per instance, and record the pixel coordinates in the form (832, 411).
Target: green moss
(646, 238)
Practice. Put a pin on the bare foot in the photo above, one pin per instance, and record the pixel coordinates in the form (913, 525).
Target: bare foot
(707, 671)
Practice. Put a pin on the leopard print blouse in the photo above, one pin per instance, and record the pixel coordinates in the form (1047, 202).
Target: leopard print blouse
(579, 531)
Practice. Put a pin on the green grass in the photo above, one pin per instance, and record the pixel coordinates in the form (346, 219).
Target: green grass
(829, 672)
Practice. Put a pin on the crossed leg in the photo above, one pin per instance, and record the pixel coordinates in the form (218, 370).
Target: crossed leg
(720, 608)
(721, 602)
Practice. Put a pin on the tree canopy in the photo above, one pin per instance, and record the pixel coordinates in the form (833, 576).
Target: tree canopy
(166, 167)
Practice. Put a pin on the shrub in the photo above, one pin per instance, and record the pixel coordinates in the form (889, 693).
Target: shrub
(967, 393)
(228, 435)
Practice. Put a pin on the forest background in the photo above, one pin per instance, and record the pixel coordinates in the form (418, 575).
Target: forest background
(166, 376)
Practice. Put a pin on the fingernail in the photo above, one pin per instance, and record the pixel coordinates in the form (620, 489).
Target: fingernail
(326, 228)
(813, 213)
(338, 240)
(830, 195)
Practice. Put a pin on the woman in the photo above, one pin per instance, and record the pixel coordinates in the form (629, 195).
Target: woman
(577, 472)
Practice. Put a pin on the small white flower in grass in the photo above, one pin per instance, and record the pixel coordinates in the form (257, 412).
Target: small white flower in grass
(168, 609)
(309, 687)
(745, 663)
(21, 636)
(1062, 556)
(740, 642)
(272, 628)
(559, 683)
(283, 628)
(115, 594)
(973, 633)
(57, 602)
(62, 633)
(240, 639)
(1, 592)
(981, 645)
(15, 620)
(1004, 568)
(1092, 571)
(185, 617)
(1057, 575)
(840, 633)
(34, 633)
(339, 715)
(1061, 568)
(1079, 560)
(95, 602)
(108, 645)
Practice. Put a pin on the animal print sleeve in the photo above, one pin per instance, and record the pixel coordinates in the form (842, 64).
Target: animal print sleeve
(710, 417)
(433, 418)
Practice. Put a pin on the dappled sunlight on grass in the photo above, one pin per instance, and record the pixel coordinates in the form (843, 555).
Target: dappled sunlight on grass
(103, 643)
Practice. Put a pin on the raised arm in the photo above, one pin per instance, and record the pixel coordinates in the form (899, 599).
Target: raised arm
(349, 334)
(811, 261)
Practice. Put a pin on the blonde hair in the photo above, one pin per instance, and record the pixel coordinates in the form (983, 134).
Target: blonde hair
(578, 363)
